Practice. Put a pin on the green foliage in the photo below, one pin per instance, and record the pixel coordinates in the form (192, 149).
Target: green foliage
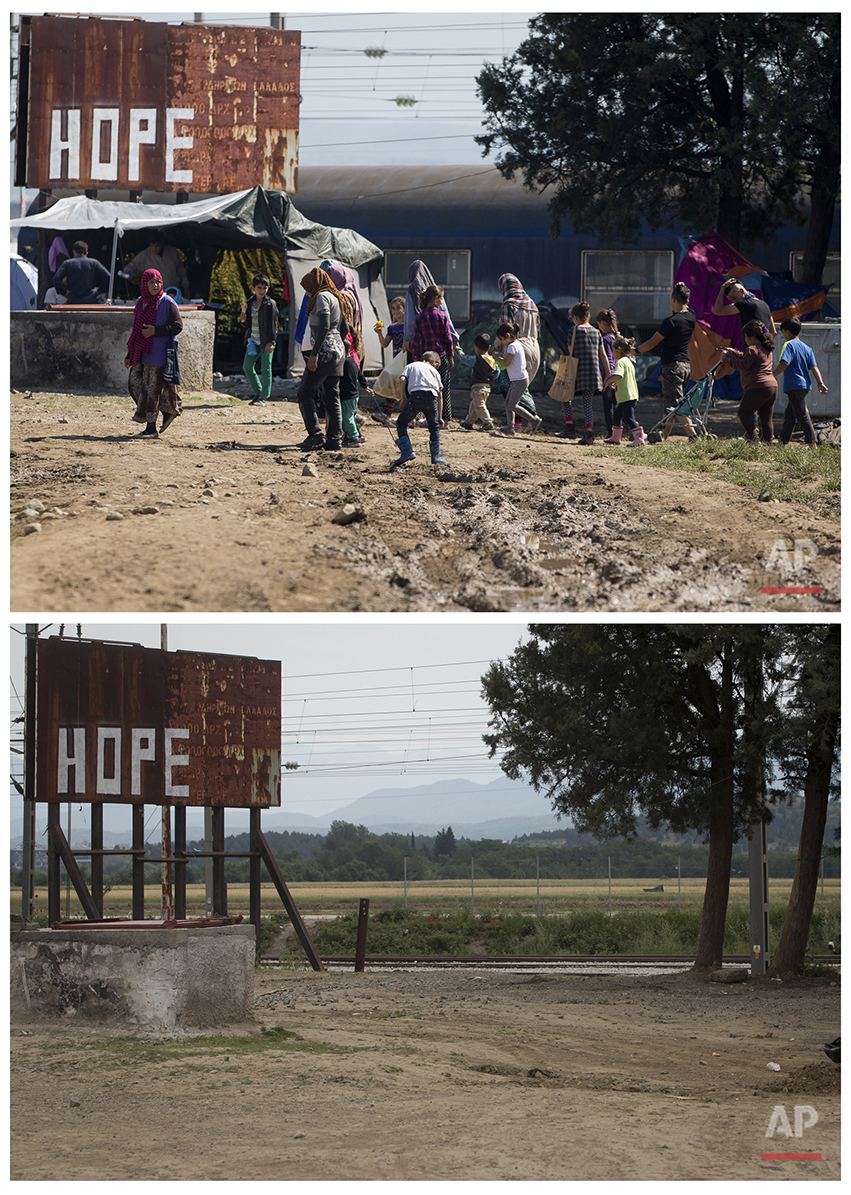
(686, 120)
(594, 932)
(813, 478)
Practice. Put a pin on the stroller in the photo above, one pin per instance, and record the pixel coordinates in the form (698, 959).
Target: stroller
(694, 408)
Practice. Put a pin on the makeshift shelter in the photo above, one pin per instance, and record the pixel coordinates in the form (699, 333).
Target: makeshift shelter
(23, 284)
(246, 219)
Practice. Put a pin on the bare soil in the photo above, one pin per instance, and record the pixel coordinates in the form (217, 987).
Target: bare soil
(462, 1075)
(219, 515)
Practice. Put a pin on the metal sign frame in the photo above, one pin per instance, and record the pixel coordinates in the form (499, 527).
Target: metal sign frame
(60, 852)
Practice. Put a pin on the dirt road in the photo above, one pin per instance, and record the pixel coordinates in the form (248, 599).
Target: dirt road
(221, 514)
(446, 1076)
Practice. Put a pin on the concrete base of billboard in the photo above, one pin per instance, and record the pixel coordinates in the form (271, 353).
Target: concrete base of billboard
(157, 980)
(82, 350)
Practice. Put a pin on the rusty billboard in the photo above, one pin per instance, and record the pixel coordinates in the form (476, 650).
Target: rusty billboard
(136, 105)
(133, 725)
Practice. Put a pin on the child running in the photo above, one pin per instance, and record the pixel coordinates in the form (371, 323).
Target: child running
(484, 372)
(796, 362)
(395, 336)
(514, 355)
(419, 389)
(759, 386)
(626, 392)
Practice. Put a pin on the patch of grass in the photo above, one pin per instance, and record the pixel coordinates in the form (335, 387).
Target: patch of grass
(127, 1051)
(790, 473)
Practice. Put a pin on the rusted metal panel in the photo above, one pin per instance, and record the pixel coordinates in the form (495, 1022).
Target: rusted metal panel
(127, 724)
(137, 105)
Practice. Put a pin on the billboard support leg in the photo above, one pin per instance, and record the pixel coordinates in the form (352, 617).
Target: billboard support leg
(289, 904)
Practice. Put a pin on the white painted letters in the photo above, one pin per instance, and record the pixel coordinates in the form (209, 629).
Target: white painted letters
(173, 143)
(77, 761)
(174, 761)
(109, 785)
(129, 129)
(70, 144)
(105, 171)
(143, 745)
(140, 136)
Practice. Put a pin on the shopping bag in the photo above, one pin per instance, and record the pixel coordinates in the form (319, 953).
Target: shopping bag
(387, 385)
(564, 383)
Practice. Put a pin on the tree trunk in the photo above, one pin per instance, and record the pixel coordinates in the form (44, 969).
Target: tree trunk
(822, 207)
(791, 949)
(710, 946)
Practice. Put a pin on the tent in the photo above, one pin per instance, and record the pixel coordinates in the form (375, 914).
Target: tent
(246, 219)
(24, 284)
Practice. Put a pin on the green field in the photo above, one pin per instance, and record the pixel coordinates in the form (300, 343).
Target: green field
(450, 896)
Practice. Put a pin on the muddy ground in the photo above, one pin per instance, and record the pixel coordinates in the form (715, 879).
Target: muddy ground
(220, 515)
(462, 1075)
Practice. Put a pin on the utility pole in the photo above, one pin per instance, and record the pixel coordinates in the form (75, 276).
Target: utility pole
(27, 880)
(167, 909)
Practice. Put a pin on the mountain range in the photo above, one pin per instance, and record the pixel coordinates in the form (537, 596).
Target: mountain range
(502, 809)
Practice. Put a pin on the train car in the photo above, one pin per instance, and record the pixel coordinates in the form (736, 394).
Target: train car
(470, 225)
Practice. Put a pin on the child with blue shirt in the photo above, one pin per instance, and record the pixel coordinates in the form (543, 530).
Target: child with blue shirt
(796, 361)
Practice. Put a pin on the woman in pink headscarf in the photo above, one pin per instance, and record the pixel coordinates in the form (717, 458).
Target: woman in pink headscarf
(151, 358)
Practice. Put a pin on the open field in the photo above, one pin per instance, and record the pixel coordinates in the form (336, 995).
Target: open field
(447, 896)
(221, 514)
(461, 1075)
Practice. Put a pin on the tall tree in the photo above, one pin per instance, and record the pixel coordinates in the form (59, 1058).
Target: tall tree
(613, 722)
(653, 118)
(811, 759)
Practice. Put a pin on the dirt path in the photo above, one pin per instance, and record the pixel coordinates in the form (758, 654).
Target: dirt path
(218, 515)
(448, 1076)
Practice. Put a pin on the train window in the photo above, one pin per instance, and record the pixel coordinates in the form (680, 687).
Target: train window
(450, 269)
(832, 274)
(637, 283)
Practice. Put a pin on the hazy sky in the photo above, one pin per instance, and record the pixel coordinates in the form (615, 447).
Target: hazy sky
(364, 707)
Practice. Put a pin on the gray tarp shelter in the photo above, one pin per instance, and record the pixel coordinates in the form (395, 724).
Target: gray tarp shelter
(246, 219)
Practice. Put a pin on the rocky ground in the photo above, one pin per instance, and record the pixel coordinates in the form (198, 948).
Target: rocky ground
(224, 513)
(461, 1075)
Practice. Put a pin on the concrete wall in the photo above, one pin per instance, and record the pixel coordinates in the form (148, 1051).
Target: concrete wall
(85, 350)
(156, 980)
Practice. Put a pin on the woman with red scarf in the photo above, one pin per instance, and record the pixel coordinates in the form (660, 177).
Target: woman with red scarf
(152, 380)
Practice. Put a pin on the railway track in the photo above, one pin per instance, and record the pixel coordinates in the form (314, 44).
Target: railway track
(586, 964)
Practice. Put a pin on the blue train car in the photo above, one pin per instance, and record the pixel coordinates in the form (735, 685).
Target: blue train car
(470, 225)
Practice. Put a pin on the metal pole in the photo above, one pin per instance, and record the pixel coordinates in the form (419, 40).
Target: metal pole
(27, 873)
(67, 873)
(167, 904)
(115, 236)
(538, 882)
(610, 885)
(472, 886)
(406, 880)
(363, 925)
(758, 876)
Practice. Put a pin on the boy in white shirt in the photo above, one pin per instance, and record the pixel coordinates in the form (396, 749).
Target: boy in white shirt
(419, 389)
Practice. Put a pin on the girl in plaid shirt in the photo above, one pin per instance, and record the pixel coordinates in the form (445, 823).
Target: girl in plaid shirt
(432, 333)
